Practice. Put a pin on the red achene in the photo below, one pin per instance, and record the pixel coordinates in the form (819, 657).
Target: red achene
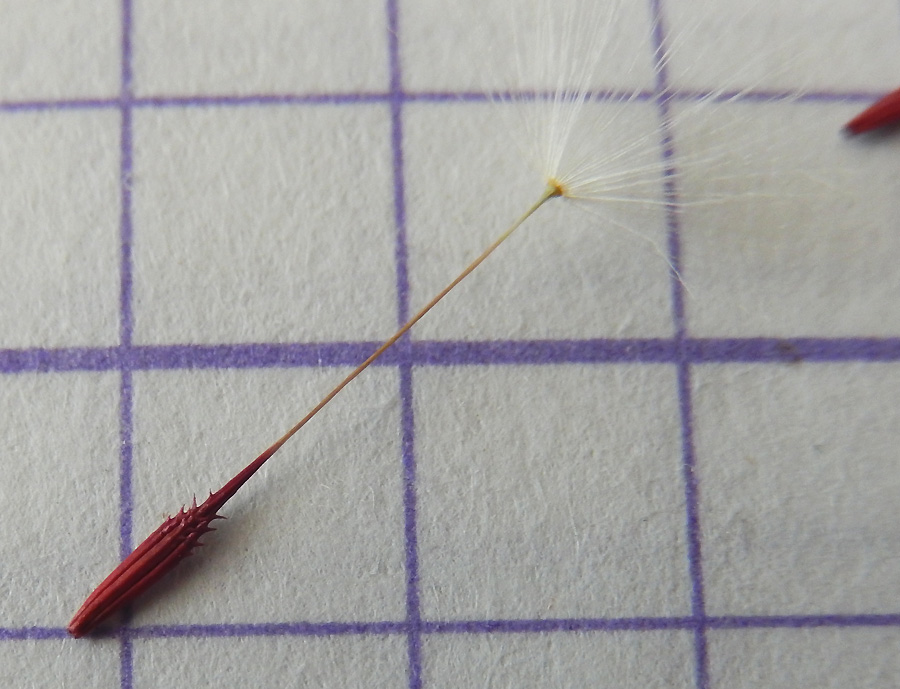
(177, 536)
(160, 551)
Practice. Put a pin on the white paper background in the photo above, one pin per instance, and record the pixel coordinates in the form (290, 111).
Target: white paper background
(261, 214)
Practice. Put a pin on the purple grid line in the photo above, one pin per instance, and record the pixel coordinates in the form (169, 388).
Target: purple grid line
(257, 355)
(362, 97)
(413, 609)
(523, 626)
(691, 488)
(70, 104)
(407, 421)
(126, 659)
(126, 328)
(349, 98)
(32, 633)
(802, 622)
(696, 351)
(271, 629)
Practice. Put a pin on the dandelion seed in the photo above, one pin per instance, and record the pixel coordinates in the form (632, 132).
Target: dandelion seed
(568, 52)
(176, 538)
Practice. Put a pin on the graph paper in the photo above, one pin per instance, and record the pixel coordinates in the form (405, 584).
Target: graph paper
(665, 457)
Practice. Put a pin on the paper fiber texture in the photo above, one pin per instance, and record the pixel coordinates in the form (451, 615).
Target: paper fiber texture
(581, 469)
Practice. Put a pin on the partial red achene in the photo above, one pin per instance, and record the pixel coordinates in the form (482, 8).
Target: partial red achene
(161, 551)
(884, 112)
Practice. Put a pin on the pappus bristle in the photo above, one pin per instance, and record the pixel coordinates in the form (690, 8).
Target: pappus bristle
(577, 123)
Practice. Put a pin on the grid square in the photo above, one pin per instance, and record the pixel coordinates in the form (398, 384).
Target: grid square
(555, 505)
(342, 661)
(242, 217)
(63, 664)
(471, 45)
(798, 658)
(567, 273)
(799, 477)
(59, 437)
(267, 46)
(56, 49)
(639, 660)
(802, 245)
(60, 212)
(317, 536)
(768, 44)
